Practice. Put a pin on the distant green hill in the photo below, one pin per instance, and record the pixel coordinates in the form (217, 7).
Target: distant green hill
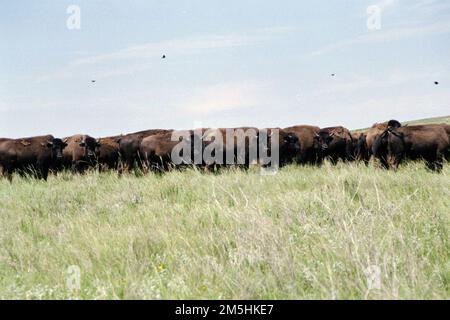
(445, 119)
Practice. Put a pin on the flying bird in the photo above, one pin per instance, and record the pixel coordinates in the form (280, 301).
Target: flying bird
(163, 56)
(333, 74)
(436, 83)
(92, 81)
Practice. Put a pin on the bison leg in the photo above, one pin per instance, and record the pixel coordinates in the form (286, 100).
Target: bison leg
(348, 153)
(41, 171)
(74, 168)
(384, 163)
(8, 172)
(435, 164)
(44, 173)
(366, 159)
(79, 167)
(129, 164)
(145, 165)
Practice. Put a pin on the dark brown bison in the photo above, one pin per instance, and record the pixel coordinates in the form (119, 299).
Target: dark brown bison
(80, 153)
(360, 150)
(166, 150)
(374, 148)
(1, 166)
(333, 143)
(355, 137)
(418, 142)
(289, 145)
(108, 154)
(33, 155)
(129, 147)
(444, 126)
(305, 135)
(377, 129)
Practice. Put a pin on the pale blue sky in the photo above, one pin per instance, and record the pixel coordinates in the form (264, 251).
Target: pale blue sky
(229, 63)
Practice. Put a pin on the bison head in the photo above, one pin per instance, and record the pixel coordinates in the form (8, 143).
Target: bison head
(322, 141)
(56, 145)
(90, 146)
(394, 124)
(289, 146)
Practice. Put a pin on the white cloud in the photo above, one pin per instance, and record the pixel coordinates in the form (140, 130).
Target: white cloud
(224, 96)
(188, 45)
(387, 35)
(139, 54)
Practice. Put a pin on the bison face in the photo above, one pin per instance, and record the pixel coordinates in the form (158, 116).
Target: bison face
(290, 144)
(394, 124)
(57, 146)
(90, 146)
(322, 141)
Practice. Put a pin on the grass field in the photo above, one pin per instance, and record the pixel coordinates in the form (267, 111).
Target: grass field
(430, 120)
(345, 232)
(444, 120)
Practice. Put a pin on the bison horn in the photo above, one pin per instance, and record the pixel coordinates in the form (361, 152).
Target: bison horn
(47, 143)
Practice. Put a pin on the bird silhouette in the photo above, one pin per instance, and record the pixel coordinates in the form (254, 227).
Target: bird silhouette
(92, 81)
(436, 83)
(163, 56)
(333, 74)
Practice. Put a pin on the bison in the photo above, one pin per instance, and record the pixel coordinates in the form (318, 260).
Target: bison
(34, 155)
(418, 142)
(129, 147)
(80, 152)
(444, 126)
(360, 150)
(235, 146)
(289, 146)
(246, 145)
(157, 150)
(372, 141)
(108, 154)
(305, 135)
(333, 143)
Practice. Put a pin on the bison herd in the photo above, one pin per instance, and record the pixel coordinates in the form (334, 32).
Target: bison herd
(389, 143)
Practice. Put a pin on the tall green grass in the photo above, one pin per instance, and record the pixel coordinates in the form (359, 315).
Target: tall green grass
(303, 233)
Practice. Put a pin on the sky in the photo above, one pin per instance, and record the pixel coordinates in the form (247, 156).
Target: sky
(228, 64)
